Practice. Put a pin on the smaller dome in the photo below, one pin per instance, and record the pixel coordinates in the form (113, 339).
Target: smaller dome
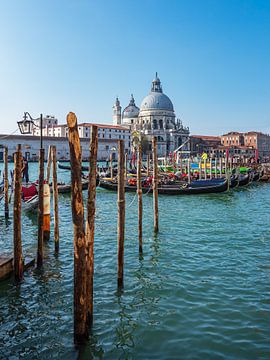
(131, 110)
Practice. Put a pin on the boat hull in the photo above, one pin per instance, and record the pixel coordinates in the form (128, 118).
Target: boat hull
(179, 189)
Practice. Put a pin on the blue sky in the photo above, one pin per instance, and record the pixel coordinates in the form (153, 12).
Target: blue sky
(212, 56)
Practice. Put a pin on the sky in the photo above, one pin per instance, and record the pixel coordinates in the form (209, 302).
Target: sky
(212, 56)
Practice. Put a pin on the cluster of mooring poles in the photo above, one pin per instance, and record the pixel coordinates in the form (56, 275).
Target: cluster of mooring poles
(43, 206)
(84, 230)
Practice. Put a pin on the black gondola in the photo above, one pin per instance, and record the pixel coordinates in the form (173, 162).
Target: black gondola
(207, 187)
(68, 167)
(244, 179)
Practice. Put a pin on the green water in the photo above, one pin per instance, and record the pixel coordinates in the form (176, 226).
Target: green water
(201, 290)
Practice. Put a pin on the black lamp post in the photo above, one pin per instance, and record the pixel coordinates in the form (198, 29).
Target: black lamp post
(25, 127)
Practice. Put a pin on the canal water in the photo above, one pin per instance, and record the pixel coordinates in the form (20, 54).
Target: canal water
(201, 290)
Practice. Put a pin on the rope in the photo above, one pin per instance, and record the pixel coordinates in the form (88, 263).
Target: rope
(150, 187)
(133, 199)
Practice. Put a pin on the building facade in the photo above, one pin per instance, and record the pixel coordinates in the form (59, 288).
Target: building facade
(155, 117)
(30, 146)
(252, 139)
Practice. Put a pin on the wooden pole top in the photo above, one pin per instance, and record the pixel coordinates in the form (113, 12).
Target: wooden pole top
(71, 119)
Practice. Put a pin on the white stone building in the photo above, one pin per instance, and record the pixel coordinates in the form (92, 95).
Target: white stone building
(30, 144)
(155, 117)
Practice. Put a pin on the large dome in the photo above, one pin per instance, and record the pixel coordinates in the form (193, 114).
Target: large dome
(156, 100)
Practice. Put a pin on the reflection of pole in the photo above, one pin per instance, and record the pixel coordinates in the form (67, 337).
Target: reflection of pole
(139, 192)
(155, 183)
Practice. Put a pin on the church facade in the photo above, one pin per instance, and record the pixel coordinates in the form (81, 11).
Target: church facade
(155, 117)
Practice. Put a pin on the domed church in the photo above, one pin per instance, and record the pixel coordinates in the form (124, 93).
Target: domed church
(155, 117)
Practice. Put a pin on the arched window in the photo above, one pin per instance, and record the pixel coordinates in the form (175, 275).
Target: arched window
(155, 126)
(161, 124)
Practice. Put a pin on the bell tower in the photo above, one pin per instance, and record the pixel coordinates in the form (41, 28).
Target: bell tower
(117, 112)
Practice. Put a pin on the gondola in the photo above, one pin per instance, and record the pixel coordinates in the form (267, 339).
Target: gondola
(68, 167)
(256, 176)
(244, 179)
(66, 188)
(196, 187)
(1, 190)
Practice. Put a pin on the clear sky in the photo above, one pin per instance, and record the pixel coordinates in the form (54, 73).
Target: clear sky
(212, 56)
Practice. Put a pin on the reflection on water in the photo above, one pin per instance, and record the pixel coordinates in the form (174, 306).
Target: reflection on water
(200, 290)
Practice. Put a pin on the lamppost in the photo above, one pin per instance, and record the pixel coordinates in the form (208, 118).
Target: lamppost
(25, 127)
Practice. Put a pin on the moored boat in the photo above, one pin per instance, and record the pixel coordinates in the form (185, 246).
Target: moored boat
(244, 179)
(196, 187)
(29, 197)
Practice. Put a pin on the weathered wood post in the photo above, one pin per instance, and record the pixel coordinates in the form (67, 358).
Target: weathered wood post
(121, 212)
(200, 169)
(221, 167)
(126, 165)
(111, 165)
(139, 192)
(80, 275)
(155, 183)
(205, 169)
(55, 201)
(40, 250)
(6, 181)
(211, 176)
(215, 167)
(17, 235)
(148, 165)
(189, 170)
(90, 223)
(49, 160)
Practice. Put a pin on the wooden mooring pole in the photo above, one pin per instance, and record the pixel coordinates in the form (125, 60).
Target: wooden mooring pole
(6, 181)
(90, 224)
(148, 165)
(80, 275)
(111, 164)
(55, 200)
(40, 250)
(49, 160)
(17, 234)
(139, 192)
(121, 212)
(155, 183)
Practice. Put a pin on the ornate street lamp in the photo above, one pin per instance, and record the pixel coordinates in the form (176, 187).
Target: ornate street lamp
(26, 125)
